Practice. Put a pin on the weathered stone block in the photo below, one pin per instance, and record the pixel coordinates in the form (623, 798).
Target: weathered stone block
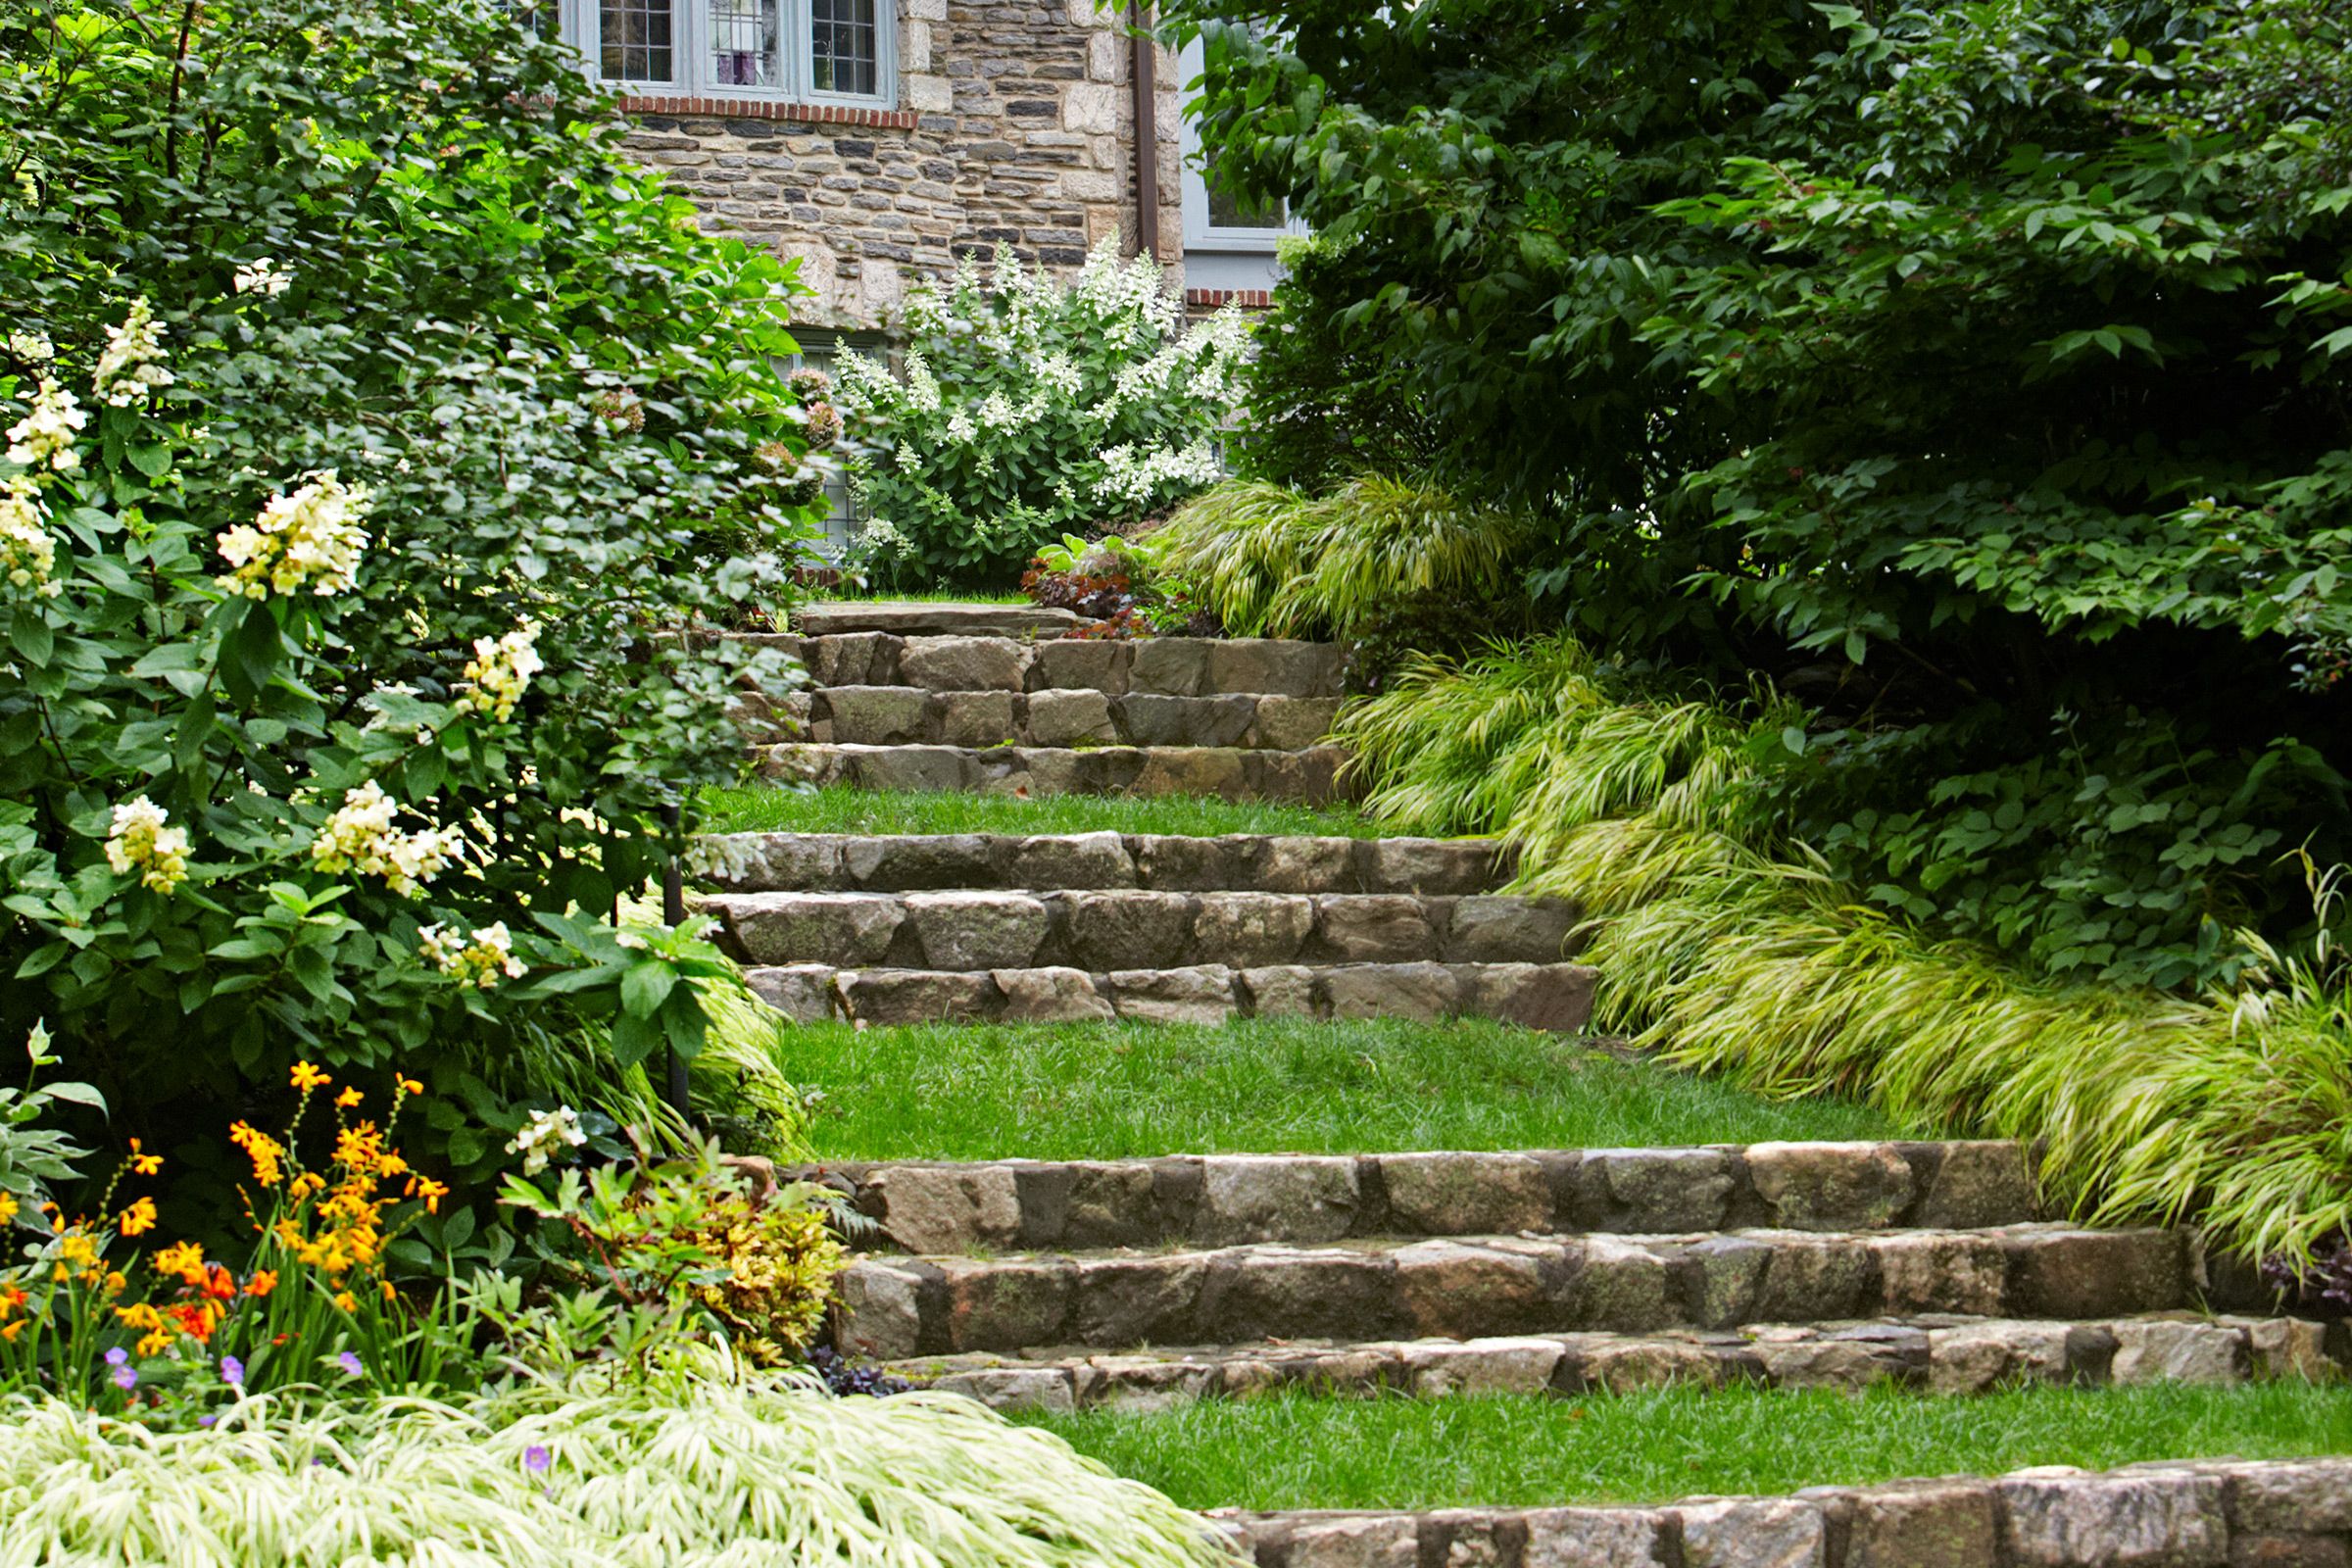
(1143, 1300)
(1978, 1357)
(905, 768)
(1169, 667)
(1248, 929)
(1067, 717)
(1976, 1184)
(801, 992)
(1466, 1195)
(893, 865)
(1621, 1287)
(878, 1314)
(978, 718)
(913, 995)
(1287, 1197)
(1489, 928)
(2058, 1272)
(2136, 1521)
(1290, 1294)
(977, 930)
(1375, 928)
(1127, 929)
(1431, 867)
(1457, 1289)
(879, 715)
(1273, 666)
(1304, 865)
(1290, 724)
(1753, 1533)
(1050, 996)
(1005, 1306)
(1090, 666)
(1014, 1388)
(945, 1208)
(1150, 720)
(1280, 991)
(964, 663)
(1939, 1272)
(1830, 1186)
(1197, 994)
(2303, 1495)
(1498, 1365)
(1556, 997)
(1657, 1191)
(1074, 860)
(768, 863)
(1925, 1524)
(1594, 1538)
(2178, 1352)
(1419, 993)
(1376, 1541)
(1217, 771)
(790, 928)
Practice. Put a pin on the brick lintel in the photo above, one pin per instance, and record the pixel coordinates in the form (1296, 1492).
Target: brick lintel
(1211, 299)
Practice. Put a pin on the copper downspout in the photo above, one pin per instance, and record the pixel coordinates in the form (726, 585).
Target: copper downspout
(1146, 135)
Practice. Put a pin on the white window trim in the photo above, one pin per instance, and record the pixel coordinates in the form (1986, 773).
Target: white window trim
(690, 49)
(1200, 234)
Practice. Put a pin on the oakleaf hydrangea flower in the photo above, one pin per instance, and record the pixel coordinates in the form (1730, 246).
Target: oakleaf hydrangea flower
(33, 348)
(28, 554)
(545, 1134)
(45, 436)
(361, 836)
(130, 365)
(309, 539)
(498, 670)
(477, 963)
(264, 277)
(143, 841)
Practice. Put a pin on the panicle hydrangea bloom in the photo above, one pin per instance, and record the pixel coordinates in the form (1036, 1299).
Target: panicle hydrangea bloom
(33, 348)
(544, 1135)
(362, 836)
(28, 554)
(477, 963)
(1134, 478)
(264, 277)
(143, 841)
(498, 670)
(45, 436)
(311, 539)
(130, 365)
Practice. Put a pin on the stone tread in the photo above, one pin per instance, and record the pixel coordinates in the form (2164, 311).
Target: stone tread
(2216, 1513)
(1942, 1355)
(1134, 928)
(1166, 666)
(1237, 863)
(1309, 777)
(932, 617)
(1552, 996)
(912, 716)
(936, 1207)
(893, 1308)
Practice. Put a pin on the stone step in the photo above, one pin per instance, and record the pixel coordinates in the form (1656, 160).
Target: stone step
(926, 1206)
(1162, 667)
(894, 1307)
(1944, 1354)
(1309, 777)
(1551, 996)
(1241, 863)
(909, 716)
(2292, 1513)
(916, 617)
(1135, 928)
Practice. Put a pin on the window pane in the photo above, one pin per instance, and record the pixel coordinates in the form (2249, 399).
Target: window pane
(636, 39)
(1225, 210)
(744, 35)
(843, 54)
(538, 16)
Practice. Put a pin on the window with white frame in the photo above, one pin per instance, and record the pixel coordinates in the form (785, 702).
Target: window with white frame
(1215, 219)
(797, 51)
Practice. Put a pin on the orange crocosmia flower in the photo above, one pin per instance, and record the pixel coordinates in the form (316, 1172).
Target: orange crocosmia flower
(261, 1284)
(8, 1207)
(348, 1099)
(138, 1219)
(10, 1331)
(390, 1294)
(306, 1077)
(183, 1258)
(408, 1086)
(343, 1299)
(196, 1319)
(117, 1282)
(432, 1192)
(220, 1284)
(144, 1165)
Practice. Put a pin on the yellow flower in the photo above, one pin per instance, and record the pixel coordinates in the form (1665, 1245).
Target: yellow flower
(183, 1258)
(348, 1099)
(8, 1208)
(116, 1282)
(261, 1284)
(390, 1294)
(432, 1192)
(408, 1086)
(306, 1077)
(10, 1332)
(343, 1299)
(144, 1165)
(138, 1219)
(78, 1250)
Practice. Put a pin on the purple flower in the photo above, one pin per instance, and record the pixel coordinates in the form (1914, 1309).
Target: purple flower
(233, 1371)
(117, 1357)
(206, 1420)
(536, 1458)
(349, 1361)
(126, 1378)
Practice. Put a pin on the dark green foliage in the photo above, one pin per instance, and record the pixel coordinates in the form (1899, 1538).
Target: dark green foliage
(1979, 373)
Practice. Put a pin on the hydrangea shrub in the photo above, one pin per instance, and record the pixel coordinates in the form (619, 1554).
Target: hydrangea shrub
(1025, 408)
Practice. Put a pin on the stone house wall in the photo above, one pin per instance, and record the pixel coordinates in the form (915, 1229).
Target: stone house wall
(1016, 125)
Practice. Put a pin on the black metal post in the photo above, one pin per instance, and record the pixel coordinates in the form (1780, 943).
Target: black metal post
(673, 916)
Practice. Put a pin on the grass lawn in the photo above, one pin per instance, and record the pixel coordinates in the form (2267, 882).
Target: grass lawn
(841, 810)
(1268, 1086)
(1302, 1452)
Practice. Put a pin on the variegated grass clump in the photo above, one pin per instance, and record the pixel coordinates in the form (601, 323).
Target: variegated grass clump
(1275, 562)
(671, 1474)
(1730, 947)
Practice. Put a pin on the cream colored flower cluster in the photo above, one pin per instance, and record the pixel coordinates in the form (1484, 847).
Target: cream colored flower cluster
(547, 1134)
(143, 840)
(33, 348)
(45, 438)
(478, 962)
(132, 365)
(28, 554)
(499, 671)
(264, 277)
(362, 837)
(311, 539)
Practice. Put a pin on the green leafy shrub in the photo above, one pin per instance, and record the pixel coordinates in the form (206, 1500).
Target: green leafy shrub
(1025, 409)
(676, 1473)
(371, 416)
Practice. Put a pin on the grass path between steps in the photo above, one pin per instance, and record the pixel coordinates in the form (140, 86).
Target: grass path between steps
(1259, 1086)
(1304, 1451)
(841, 810)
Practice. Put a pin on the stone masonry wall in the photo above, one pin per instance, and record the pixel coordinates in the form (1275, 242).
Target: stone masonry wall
(1015, 126)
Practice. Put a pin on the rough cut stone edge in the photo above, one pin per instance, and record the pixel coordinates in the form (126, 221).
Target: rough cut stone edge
(936, 620)
(2168, 1514)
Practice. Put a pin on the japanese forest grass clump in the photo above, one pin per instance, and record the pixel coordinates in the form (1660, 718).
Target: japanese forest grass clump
(680, 1470)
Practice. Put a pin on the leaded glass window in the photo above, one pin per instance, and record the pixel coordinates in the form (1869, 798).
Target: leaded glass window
(635, 40)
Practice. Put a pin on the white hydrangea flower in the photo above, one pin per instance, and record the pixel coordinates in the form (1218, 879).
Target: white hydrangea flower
(45, 436)
(996, 413)
(1134, 477)
(28, 554)
(960, 429)
(361, 836)
(546, 1133)
(33, 348)
(311, 538)
(478, 962)
(1059, 376)
(499, 671)
(143, 841)
(264, 277)
(922, 387)
(130, 365)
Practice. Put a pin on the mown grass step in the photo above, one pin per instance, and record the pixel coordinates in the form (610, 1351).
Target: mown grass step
(894, 1307)
(1232, 773)
(851, 862)
(911, 715)
(845, 812)
(1135, 928)
(1934, 1355)
(1552, 996)
(931, 618)
(1166, 666)
(925, 1206)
